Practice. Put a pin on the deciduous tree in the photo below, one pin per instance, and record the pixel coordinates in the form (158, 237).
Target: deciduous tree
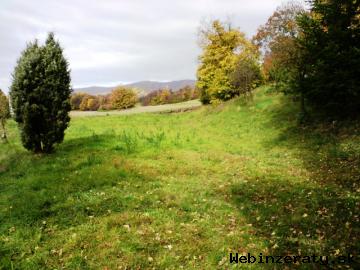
(277, 41)
(123, 98)
(247, 75)
(222, 47)
(76, 99)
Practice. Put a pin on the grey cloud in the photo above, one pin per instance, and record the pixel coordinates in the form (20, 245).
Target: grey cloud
(120, 41)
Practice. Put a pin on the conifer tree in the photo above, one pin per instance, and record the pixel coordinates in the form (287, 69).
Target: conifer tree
(40, 95)
(330, 41)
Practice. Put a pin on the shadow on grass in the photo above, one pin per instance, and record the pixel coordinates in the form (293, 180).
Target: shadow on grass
(85, 178)
(319, 215)
(62, 186)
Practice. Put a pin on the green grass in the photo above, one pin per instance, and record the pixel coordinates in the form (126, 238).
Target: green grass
(172, 191)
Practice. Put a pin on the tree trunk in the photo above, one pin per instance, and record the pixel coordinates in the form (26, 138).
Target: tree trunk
(302, 104)
(37, 148)
(4, 131)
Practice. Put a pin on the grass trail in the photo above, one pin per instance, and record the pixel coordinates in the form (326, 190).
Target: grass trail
(155, 191)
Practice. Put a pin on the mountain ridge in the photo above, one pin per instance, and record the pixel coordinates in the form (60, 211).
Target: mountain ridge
(144, 87)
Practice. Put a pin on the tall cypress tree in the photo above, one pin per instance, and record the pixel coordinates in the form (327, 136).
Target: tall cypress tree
(40, 95)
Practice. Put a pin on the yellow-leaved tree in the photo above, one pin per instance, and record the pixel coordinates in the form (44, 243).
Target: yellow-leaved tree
(123, 98)
(223, 47)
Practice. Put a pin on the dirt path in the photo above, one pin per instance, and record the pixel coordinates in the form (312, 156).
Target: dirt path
(142, 109)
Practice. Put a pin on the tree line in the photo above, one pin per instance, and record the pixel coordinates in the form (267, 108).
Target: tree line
(313, 55)
(168, 96)
(124, 98)
(119, 98)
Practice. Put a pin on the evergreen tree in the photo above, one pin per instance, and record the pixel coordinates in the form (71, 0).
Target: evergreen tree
(4, 112)
(40, 95)
(331, 44)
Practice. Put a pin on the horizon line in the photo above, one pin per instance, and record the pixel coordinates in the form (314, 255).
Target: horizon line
(114, 84)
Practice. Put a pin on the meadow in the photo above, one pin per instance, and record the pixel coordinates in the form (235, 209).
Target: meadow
(183, 190)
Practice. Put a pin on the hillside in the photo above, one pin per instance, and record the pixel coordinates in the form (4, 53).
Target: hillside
(143, 86)
(182, 191)
(95, 90)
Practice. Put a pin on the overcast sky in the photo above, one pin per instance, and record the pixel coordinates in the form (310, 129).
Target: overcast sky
(116, 41)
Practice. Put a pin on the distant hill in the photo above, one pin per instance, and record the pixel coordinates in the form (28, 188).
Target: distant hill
(143, 87)
(149, 86)
(94, 90)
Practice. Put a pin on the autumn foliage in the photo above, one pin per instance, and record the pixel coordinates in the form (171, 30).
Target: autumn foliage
(123, 98)
(166, 96)
(315, 55)
(119, 98)
(223, 48)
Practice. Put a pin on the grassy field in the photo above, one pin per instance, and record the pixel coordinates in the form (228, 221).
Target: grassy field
(182, 191)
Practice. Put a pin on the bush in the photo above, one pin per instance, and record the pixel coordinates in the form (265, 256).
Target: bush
(40, 95)
(123, 98)
(93, 104)
(246, 76)
(76, 100)
(166, 96)
(104, 102)
(84, 102)
(184, 94)
(150, 98)
(4, 112)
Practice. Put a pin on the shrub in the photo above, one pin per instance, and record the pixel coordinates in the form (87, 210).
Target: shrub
(40, 95)
(105, 107)
(84, 102)
(184, 94)
(93, 104)
(104, 102)
(123, 98)
(166, 96)
(150, 98)
(76, 100)
(161, 96)
(4, 112)
(246, 76)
